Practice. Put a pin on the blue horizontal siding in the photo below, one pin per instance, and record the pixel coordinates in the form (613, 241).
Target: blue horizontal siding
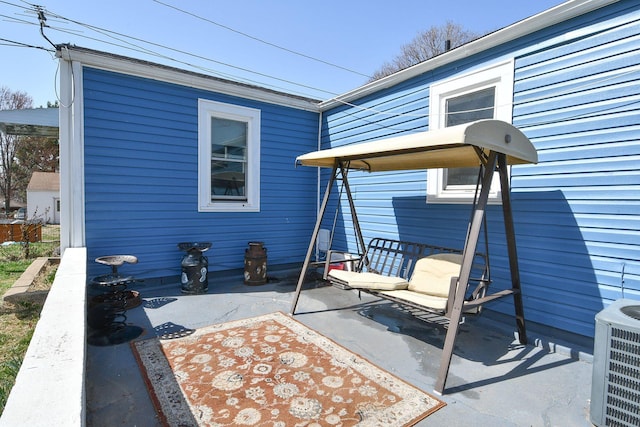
(597, 59)
(141, 178)
(578, 102)
(577, 212)
(386, 114)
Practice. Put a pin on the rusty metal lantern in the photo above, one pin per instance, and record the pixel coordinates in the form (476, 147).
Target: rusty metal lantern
(255, 264)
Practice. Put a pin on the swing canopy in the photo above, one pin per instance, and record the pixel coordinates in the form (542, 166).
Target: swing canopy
(451, 147)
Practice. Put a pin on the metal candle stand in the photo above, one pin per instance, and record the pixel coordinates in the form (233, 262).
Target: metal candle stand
(107, 311)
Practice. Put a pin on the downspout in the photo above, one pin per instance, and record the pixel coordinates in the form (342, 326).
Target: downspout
(65, 127)
(71, 152)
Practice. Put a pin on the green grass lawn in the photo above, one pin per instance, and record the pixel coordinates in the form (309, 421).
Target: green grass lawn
(17, 321)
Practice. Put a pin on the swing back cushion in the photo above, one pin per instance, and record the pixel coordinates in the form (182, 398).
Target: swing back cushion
(432, 274)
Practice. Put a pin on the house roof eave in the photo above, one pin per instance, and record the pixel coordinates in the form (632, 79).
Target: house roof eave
(150, 70)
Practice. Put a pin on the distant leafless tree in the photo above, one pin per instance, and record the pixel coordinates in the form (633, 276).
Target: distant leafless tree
(10, 100)
(426, 45)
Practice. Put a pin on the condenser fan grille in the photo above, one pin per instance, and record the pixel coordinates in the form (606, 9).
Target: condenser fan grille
(623, 390)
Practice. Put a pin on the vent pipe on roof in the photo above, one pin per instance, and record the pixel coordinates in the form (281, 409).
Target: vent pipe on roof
(447, 45)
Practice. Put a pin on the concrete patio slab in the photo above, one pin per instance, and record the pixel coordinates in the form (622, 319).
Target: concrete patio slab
(493, 380)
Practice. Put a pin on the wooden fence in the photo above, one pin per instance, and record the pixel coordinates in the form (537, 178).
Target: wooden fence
(21, 232)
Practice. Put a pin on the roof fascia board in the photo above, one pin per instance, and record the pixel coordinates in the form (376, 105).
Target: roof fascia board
(121, 64)
(547, 18)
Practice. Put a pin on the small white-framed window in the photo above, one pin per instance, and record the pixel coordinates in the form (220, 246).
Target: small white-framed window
(228, 157)
(483, 94)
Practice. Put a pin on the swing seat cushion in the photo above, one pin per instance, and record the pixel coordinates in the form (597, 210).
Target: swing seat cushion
(432, 275)
(422, 300)
(368, 280)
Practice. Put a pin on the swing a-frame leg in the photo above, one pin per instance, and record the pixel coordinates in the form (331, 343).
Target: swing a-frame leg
(339, 172)
(494, 159)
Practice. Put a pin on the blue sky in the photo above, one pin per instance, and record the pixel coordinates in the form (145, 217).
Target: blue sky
(235, 39)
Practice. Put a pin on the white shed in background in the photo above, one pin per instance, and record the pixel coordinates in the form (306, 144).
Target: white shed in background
(43, 197)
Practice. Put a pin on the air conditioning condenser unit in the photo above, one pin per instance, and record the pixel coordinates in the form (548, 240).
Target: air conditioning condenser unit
(615, 385)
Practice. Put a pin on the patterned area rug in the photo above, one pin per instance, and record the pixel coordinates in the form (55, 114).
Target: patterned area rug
(272, 371)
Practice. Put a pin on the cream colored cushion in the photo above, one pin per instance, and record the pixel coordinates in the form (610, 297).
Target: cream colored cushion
(432, 275)
(368, 280)
(424, 300)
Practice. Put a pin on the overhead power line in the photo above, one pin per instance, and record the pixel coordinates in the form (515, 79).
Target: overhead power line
(7, 42)
(136, 48)
(260, 40)
(126, 44)
(42, 14)
(113, 34)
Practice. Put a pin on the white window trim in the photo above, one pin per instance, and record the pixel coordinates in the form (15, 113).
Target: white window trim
(499, 75)
(206, 110)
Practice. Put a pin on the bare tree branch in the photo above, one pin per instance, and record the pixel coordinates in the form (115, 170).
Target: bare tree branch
(9, 143)
(426, 45)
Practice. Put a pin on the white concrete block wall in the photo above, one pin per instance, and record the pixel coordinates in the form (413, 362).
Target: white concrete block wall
(49, 388)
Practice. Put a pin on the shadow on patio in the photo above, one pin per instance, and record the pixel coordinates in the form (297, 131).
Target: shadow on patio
(493, 380)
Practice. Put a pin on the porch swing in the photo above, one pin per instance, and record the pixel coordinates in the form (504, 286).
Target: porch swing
(419, 276)
(460, 277)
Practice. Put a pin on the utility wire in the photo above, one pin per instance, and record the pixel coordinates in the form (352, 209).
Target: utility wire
(138, 48)
(111, 34)
(13, 4)
(211, 71)
(259, 39)
(358, 107)
(13, 18)
(394, 114)
(135, 48)
(13, 43)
